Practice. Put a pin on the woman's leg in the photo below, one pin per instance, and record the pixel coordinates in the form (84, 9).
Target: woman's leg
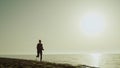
(40, 55)
(37, 53)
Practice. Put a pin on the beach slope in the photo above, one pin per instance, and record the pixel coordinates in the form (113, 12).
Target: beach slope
(21, 63)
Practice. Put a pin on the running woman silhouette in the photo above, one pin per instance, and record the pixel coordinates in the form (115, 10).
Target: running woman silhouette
(39, 50)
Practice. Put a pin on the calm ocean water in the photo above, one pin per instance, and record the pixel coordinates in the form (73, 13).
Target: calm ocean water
(98, 60)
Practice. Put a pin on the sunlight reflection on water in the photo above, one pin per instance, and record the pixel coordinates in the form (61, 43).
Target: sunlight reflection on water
(96, 57)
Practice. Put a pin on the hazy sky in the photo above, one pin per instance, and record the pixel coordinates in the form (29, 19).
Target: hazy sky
(62, 25)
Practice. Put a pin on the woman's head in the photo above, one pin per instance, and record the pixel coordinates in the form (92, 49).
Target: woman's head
(40, 41)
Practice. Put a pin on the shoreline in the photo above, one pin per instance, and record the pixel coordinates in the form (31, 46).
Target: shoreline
(23, 63)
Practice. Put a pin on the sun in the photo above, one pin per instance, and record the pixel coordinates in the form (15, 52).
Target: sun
(93, 23)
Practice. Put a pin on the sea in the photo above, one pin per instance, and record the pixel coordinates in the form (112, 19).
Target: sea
(96, 60)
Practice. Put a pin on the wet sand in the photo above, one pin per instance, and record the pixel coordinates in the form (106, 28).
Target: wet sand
(22, 63)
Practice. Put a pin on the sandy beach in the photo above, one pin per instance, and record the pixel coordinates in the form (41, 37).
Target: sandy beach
(22, 63)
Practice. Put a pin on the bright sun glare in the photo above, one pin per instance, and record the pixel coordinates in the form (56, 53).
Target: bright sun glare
(96, 59)
(93, 23)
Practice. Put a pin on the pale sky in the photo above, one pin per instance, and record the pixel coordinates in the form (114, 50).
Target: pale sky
(64, 26)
